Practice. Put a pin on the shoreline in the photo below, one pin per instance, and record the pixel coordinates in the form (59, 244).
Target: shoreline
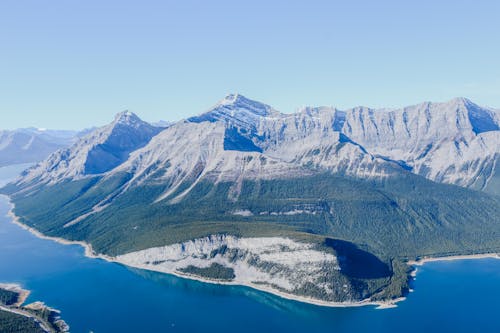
(425, 260)
(297, 298)
(16, 287)
(42, 324)
(90, 253)
(48, 324)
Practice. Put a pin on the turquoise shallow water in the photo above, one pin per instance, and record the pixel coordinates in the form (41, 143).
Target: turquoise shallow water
(94, 295)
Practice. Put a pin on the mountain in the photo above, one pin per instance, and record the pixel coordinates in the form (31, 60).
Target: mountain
(29, 145)
(325, 204)
(236, 108)
(456, 142)
(97, 152)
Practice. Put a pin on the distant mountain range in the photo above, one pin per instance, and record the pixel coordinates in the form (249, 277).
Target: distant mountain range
(28, 145)
(371, 187)
(31, 144)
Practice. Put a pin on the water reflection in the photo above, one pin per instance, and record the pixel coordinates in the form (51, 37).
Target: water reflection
(273, 302)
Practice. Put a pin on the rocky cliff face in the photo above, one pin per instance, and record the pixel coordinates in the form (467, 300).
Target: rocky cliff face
(98, 152)
(271, 263)
(456, 142)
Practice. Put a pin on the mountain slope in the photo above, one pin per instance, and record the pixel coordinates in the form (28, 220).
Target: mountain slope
(97, 152)
(455, 142)
(366, 185)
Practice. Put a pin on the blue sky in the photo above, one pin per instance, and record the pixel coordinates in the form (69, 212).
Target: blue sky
(73, 64)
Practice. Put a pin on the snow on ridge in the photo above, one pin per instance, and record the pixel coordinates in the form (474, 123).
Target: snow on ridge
(126, 130)
(436, 140)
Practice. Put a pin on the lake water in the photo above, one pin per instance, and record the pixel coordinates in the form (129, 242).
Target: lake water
(94, 295)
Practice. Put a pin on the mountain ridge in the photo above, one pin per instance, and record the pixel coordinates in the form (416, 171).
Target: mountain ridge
(413, 138)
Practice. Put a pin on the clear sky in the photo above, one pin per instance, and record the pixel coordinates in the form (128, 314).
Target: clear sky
(72, 64)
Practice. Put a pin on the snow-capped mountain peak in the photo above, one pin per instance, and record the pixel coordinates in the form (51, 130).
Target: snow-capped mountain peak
(455, 142)
(127, 118)
(238, 101)
(237, 109)
(231, 99)
(98, 152)
(459, 101)
(481, 119)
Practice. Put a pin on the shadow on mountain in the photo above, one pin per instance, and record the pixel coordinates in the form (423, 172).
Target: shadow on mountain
(357, 263)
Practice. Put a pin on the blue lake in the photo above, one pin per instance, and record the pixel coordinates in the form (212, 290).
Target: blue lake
(94, 295)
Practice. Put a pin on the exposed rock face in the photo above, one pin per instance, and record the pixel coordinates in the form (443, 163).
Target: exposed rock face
(456, 142)
(98, 152)
(279, 264)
